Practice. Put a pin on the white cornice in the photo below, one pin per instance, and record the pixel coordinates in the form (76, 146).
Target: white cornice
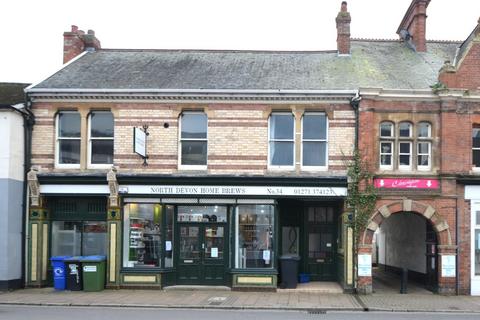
(398, 94)
(193, 95)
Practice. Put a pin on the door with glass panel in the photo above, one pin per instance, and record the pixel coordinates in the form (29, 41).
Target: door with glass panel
(202, 246)
(475, 270)
(320, 244)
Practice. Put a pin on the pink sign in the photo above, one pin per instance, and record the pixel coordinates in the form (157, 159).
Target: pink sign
(406, 183)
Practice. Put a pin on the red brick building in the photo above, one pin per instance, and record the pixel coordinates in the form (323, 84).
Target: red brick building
(421, 144)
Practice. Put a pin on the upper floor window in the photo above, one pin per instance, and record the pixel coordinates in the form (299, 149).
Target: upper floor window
(68, 138)
(100, 138)
(404, 146)
(314, 140)
(281, 140)
(193, 140)
(424, 146)
(476, 147)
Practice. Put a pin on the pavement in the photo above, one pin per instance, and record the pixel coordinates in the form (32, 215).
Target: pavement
(213, 299)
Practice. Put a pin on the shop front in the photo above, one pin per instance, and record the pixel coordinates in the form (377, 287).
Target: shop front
(472, 194)
(215, 231)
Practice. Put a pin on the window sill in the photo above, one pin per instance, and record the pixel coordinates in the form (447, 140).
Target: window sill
(99, 166)
(67, 166)
(313, 168)
(192, 168)
(281, 168)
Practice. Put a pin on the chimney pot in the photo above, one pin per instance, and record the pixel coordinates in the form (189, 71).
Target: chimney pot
(74, 28)
(91, 32)
(344, 6)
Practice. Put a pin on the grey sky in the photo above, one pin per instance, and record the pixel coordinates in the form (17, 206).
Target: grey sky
(32, 42)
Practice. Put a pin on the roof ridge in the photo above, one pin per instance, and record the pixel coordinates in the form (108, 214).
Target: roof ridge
(216, 50)
(375, 39)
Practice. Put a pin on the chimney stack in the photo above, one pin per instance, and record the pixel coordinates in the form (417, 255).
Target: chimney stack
(76, 41)
(412, 29)
(343, 30)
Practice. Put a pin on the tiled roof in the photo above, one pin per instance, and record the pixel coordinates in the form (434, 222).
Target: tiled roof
(12, 93)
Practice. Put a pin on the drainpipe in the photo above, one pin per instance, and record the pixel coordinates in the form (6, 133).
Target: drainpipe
(457, 260)
(28, 122)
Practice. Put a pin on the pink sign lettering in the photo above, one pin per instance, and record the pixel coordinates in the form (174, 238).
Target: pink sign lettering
(406, 183)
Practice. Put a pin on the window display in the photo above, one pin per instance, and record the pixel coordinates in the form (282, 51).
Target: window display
(254, 237)
(202, 214)
(142, 235)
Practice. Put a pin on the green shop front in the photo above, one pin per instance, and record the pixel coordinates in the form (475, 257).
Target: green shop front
(219, 231)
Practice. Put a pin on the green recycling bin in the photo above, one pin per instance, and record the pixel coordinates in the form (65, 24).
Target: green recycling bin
(93, 268)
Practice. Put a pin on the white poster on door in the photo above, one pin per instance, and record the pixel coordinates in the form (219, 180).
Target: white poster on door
(214, 253)
(364, 265)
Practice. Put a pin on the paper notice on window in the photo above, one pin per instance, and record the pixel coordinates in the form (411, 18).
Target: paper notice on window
(266, 255)
(168, 245)
(214, 253)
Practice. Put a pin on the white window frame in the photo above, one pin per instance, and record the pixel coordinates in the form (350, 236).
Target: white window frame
(392, 155)
(270, 166)
(57, 142)
(313, 168)
(475, 279)
(89, 157)
(474, 168)
(392, 129)
(429, 154)
(190, 167)
(409, 131)
(404, 167)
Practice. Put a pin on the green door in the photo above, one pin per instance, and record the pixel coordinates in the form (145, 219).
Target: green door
(320, 255)
(202, 253)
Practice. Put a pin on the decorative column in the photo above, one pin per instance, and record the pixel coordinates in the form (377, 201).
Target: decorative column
(38, 227)
(114, 221)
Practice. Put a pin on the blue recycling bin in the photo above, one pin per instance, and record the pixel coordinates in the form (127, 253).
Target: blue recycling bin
(59, 276)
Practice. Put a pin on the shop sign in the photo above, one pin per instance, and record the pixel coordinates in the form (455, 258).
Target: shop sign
(448, 266)
(364, 265)
(235, 190)
(140, 141)
(402, 183)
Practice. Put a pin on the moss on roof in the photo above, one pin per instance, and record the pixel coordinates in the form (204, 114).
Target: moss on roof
(12, 93)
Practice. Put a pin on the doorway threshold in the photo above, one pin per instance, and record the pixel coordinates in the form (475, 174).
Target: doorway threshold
(196, 288)
(316, 287)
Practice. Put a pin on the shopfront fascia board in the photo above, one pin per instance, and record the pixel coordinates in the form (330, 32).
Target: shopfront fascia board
(74, 189)
(236, 191)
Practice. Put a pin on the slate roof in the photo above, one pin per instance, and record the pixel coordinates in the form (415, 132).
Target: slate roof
(385, 64)
(12, 93)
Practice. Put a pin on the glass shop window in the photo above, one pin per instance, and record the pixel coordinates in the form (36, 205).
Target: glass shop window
(73, 238)
(142, 235)
(254, 226)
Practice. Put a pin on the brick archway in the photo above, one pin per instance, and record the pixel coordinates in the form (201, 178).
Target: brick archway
(440, 225)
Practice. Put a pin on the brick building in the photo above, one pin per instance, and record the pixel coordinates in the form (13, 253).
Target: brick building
(204, 167)
(420, 143)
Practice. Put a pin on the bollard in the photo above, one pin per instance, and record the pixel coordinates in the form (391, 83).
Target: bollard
(404, 281)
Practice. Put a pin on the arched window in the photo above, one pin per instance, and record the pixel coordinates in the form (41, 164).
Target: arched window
(424, 146)
(387, 130)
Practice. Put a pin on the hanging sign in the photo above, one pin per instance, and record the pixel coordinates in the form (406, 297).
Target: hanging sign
(406, 183)
(364, 265)
(139, 142)
(448, 266)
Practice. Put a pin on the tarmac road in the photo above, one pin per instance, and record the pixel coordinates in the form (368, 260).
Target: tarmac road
(93, 313)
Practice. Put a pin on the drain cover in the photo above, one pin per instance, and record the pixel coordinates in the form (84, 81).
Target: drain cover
(216, 301)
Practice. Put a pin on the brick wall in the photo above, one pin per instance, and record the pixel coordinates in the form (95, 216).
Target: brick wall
(237, 135)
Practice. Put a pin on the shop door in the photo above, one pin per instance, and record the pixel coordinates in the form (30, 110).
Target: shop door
(202, 254)
(320, 244)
